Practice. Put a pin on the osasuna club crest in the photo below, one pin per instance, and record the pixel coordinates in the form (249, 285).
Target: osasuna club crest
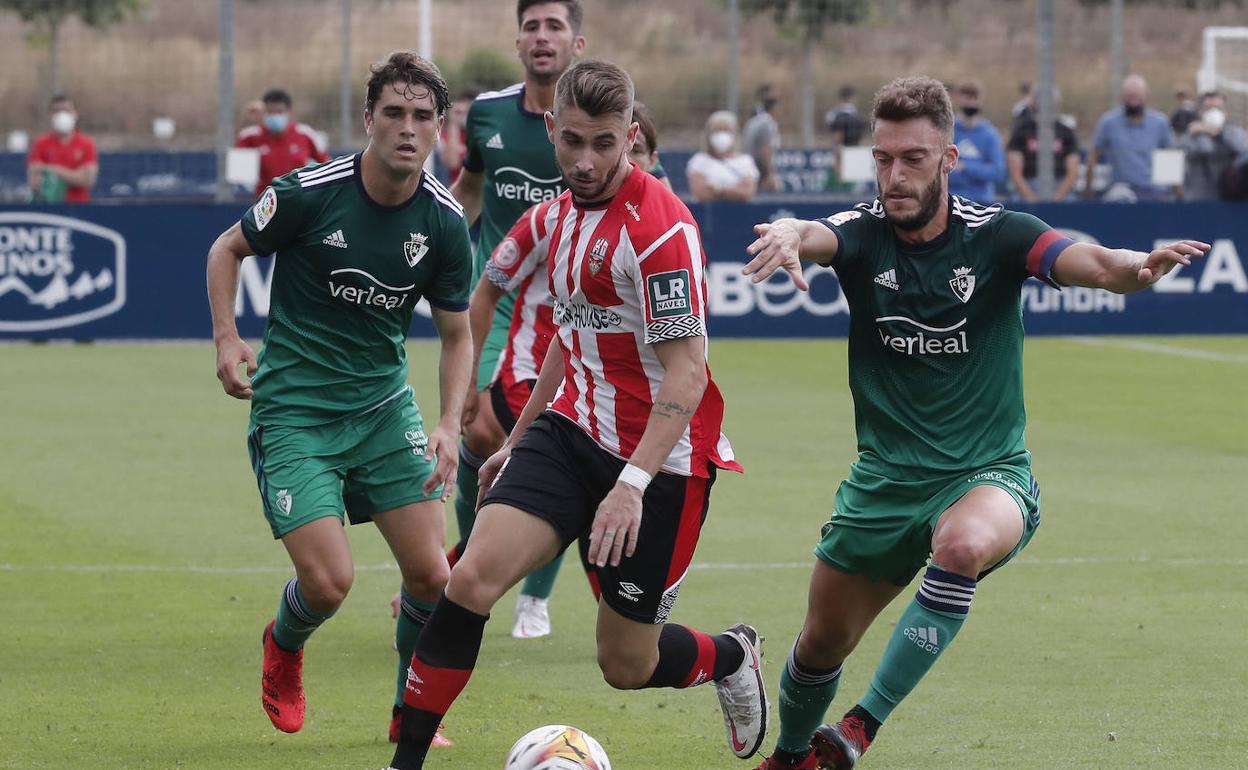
(963, 283)
(416, 248)
(597, 254)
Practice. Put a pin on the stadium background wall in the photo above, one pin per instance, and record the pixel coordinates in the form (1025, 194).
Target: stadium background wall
(137, 272)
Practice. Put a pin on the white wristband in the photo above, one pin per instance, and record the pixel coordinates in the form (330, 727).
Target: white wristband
(635, 477)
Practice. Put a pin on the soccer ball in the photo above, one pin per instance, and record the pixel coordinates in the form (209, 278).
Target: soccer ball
(557, 747)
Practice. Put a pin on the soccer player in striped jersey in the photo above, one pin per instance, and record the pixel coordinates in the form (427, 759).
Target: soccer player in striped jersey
(509, 167)
(359, 241)
(943, 480)
(624, 458)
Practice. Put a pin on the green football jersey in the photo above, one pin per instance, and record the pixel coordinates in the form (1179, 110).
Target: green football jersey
(936, 335)
(347, 276)
(510, 146)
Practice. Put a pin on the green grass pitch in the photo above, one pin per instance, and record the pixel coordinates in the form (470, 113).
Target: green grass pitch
(136, 575)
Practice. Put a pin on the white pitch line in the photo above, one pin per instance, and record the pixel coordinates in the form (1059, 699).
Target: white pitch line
(729, 566)
(1168, 350)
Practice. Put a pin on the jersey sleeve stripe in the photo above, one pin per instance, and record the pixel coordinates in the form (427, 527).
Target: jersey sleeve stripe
(331, 167)
(661, 240)
(1044, 253)
(445, 199)
(322, 180)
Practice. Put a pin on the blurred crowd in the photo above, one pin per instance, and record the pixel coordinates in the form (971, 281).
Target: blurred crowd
(1204, 155)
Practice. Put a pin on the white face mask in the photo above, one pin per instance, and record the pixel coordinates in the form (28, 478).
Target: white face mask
(63, 121)
(1214, 118)
(722, 141)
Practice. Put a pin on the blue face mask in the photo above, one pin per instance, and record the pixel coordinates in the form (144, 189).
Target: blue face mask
(276, 123)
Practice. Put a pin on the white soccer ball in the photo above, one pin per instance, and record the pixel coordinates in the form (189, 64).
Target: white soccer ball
(557, 747)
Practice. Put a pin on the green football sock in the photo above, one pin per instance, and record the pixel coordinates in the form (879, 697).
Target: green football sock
(541, 582)
(466, 490)
(805, 694)
(295, 620)
(925, 629)
(413, 614)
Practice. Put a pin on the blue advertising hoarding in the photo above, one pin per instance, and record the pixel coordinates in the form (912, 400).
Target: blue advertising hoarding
(137, 272)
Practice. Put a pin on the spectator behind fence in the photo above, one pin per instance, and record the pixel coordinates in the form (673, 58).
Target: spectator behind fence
(1212, 148)
(62, 165)
(253, 114)
(1025, 107)
(1126, 139)
(981, 159)
(645, 149)
(844, 121)
(720, 171)
(1023, 148)
(1184, 112)
(453, 141)
(284, 145)
(761, 137)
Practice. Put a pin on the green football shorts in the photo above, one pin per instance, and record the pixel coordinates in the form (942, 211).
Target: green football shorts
(364, 464)
(882, 527)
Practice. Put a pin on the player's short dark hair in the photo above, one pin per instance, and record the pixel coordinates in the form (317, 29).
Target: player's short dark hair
(58, 98)
(576, 14)
(597, 88)
(645, 124)
(409, 70)
(277, 96)
(915, 97)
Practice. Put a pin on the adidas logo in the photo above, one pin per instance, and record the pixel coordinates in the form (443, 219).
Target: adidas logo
(888, 279)
(495, 143)
(925, 637)
(335, 238)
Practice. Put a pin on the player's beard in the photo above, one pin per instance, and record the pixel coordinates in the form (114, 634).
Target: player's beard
(929, 204)
(600, 194)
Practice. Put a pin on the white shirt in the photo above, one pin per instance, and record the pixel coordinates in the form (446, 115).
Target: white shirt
(722, 173)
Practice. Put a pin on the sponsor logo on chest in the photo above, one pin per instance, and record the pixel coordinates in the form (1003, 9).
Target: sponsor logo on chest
(515, 184)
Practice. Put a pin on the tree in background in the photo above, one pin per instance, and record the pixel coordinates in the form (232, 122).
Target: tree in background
(47, 16)
(807, 20)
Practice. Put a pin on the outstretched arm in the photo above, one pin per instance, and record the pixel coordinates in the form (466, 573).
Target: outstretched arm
(1121, 270)
(784, 243)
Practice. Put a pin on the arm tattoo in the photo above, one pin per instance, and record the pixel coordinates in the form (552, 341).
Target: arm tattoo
(672, 409)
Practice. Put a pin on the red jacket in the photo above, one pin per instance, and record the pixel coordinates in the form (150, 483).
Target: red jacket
(282, 153)
(73, 154)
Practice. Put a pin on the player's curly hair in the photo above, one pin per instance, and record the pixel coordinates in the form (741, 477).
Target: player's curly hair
(915, 97)
(406, 70)
(596, 87)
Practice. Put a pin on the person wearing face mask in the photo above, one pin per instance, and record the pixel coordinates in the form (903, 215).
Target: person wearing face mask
(981, 159)
(1125, 138)
(284, 144)
(63, 165)
(721, 172)
(1212, 147)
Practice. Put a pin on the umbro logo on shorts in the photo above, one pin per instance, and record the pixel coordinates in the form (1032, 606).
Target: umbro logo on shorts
(630, 591)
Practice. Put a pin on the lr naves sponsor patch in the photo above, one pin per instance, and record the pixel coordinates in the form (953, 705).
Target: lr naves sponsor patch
(667, 294)
(58, 272)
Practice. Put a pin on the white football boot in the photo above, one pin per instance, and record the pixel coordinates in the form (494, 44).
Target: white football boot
(743, 697)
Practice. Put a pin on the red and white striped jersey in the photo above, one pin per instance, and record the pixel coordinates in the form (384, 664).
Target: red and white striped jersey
(626, 276)
(519, 264)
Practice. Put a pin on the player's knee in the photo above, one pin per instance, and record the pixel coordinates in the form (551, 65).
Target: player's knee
(625, 671)
(472, 586)
(964, 554)
(481, 437)
(427, 580)
(826, 647)
(326, 590)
